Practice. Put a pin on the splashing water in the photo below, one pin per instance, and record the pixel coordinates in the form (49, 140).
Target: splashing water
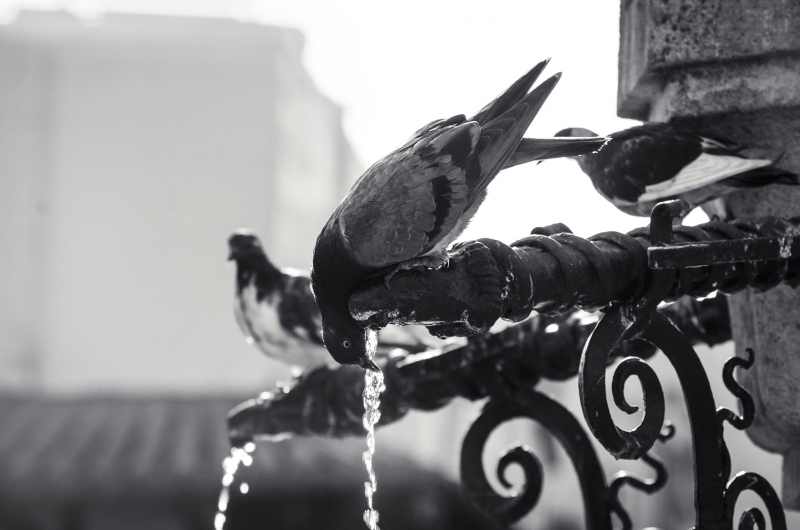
(239, 455)
(373, 386)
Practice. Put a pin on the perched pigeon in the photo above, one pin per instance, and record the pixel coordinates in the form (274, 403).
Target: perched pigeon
(406, 209)
(275, 308)
(277, 312)
(645, 165)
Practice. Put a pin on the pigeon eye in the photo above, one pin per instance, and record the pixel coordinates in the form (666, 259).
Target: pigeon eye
(346, 344)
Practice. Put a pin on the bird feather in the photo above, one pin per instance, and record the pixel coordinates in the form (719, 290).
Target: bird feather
(511, 96)
(501, 136)
(531, 149)
(422, 195)
(704, 170)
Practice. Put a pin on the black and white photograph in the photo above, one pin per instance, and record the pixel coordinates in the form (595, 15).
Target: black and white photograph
(381, 264)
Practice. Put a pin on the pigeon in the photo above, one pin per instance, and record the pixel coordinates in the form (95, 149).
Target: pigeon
(275, 308)
(277, 312)
(645, 165)
(408, 207)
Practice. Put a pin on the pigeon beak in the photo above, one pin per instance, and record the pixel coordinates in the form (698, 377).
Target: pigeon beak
(231, 257)
(367, 364)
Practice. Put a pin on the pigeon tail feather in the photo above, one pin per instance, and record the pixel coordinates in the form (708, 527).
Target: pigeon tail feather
(501, 136)
(511, 96)
(763, 176)
(532, 149)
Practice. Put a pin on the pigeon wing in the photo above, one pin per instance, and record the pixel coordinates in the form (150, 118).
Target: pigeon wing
(298, 311)
(409, 201)
(640, 157)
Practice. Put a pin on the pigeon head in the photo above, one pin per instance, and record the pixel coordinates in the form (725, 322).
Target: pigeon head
(348, 342)
(243, 243)
(575, 132)
(334, 275)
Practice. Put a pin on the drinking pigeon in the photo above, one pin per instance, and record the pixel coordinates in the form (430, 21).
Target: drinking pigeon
(406, 209)
(645, 165)
(277, 312)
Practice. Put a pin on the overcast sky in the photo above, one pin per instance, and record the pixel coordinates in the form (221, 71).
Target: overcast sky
(394, 66)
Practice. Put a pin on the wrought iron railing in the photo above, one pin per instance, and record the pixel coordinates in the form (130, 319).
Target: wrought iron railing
(555, 272)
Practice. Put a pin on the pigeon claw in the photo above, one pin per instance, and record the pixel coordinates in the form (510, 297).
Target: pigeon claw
(390, 274)
(432, 261)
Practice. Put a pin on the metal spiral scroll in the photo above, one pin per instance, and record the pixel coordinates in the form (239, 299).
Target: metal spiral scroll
(714, 500)
(752, 518)
(563, 425)
(648, 486)
(710, 457)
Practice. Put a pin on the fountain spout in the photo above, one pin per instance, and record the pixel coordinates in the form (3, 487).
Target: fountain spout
(327, 402)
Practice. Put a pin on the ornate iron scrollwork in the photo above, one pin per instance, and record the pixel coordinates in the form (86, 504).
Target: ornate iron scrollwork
(599, 499)
(553, 271)
(561, 424)
(714, 499)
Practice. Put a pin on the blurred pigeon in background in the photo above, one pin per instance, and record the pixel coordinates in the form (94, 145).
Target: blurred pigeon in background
(406, 209)
(645, 165)
(277, 312)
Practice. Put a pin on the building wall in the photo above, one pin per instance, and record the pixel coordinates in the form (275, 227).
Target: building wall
(129, 150)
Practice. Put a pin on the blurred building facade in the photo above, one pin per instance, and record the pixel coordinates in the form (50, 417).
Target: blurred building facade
(130, 148)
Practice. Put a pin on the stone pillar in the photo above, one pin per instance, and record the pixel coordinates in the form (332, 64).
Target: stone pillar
(732, 68)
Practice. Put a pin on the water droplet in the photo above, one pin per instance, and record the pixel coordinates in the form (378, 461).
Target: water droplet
(222, 505)
(371, 519)
(231, 465)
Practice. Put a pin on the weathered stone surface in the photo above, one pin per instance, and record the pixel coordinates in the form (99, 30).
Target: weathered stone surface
(732, 69)
(743, 86)
(698, 31)
(689, 54)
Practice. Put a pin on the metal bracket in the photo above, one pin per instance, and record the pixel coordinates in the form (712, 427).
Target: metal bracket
(705, 253)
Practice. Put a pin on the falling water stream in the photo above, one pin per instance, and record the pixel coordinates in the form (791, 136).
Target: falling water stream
(239, 455)
(373, 386)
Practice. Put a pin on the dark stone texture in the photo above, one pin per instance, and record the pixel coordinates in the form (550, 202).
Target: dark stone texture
(699, 57)
(687, 32)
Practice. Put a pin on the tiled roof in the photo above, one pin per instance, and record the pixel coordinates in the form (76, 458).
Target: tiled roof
(108, 447)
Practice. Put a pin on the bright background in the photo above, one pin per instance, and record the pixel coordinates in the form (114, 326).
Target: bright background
(395, 66)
